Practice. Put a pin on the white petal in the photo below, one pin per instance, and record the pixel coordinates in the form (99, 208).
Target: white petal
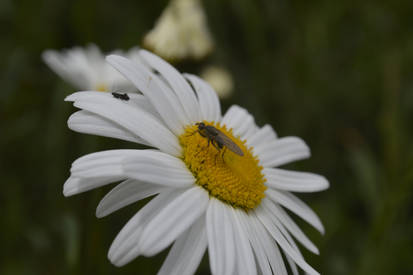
(279, 214)
(158, 168)
(101, 168)
(262, 136)
(294, 181)
(103, 163)
(208, 99)
(253, 237)
(167, 225)
(292, 265)
(211, 224)
(221, 246)
(186, 253)
(297, 206)
(158, 93)
(149, 127)
(270, 247)
(125, 246)
(69, 69)
(176, 81)
(95, 170)
(241, 122)
(142, 102)
(75, 185)
(282, 151)
(290, 240)
(264, 217)
(245, 257)
(90, 123)
(103, 157)
(126, 193)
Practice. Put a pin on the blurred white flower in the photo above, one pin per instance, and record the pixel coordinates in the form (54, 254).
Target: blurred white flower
(181, 32)
(86, 68)
(220, 79)
(222, 194)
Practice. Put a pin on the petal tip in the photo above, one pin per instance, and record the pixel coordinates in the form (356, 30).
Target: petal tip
(70, 97)
(99, 212)
(68, 191)
(70, 187)
(326, 183)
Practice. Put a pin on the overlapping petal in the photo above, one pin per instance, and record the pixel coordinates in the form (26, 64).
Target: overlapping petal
(158, 93)
(73, 68)
(95, 170)
(264, 217)
(173, 220)
(177, 83)
(241, 122)
(221, 243)
(157, 168)
(86, 69)
(126, 193)
(187, 251)
(269, 245)
(281, 217)
(136, 120)
(125, 246)
(282, 151)
(256, 245)
(245, 262)
(262, 136)
(98, 169)
(294, 181)
(209, 105)
(296, 206)
(90, 123)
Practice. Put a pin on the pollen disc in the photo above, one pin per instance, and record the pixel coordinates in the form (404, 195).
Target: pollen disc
(101, 87)
(233, 179)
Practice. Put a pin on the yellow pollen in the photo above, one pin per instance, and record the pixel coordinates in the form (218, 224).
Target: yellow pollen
(101, 87)
(233, 179)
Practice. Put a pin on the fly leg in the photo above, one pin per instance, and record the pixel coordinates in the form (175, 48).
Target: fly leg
(214, 143)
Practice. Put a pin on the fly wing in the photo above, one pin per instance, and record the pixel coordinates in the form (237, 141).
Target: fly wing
(229, 143)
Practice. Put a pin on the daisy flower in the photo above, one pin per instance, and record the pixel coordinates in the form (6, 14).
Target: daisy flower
(181, 32)
(86, 69)
(221, 194)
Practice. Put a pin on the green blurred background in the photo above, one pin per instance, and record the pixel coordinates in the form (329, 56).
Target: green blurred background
(339, 74)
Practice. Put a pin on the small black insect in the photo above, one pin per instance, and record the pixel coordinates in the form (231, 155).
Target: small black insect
(217, 138)
(156, 72)
(121, 96)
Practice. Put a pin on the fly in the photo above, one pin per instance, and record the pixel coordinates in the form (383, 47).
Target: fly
(120, 96)
(217, 138)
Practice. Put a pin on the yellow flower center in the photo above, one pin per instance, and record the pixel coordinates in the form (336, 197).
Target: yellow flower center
(233, 179)
(101, 87)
